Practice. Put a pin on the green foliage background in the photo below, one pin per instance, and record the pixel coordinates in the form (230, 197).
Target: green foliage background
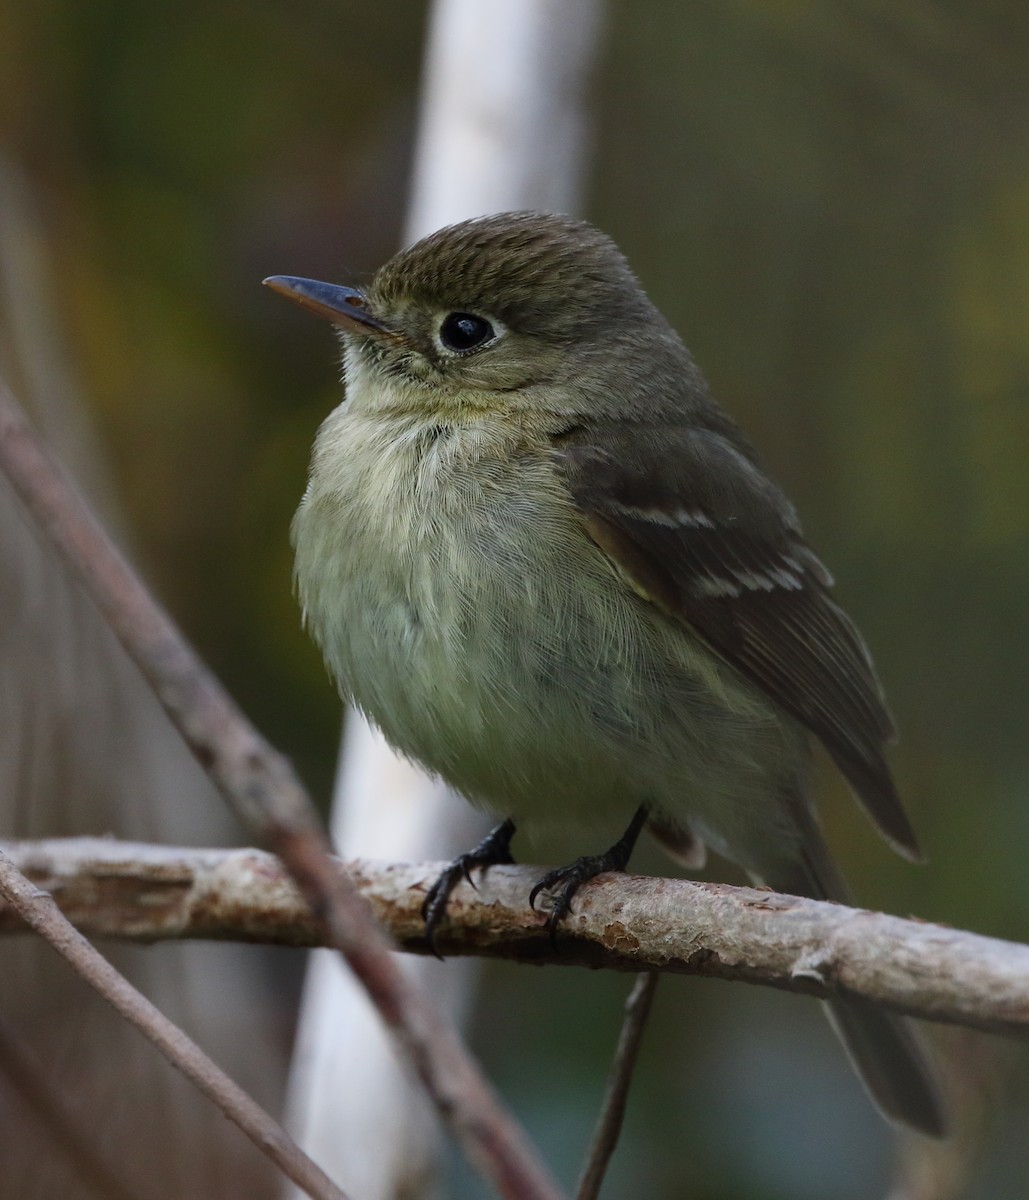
(831, 202)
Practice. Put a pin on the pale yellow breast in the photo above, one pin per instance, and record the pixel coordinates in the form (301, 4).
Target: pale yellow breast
(434, 565)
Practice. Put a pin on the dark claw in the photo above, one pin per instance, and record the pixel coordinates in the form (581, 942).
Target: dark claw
(494, 848)
(564, 882)
(434, 906)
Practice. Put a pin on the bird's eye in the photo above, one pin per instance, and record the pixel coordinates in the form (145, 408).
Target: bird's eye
(463, 331)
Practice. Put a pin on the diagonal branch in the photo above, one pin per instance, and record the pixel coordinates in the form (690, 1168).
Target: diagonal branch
(262, 788)
(626, 923)
(38, 910)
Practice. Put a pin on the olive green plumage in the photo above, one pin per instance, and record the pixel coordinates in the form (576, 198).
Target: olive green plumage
(544, 561)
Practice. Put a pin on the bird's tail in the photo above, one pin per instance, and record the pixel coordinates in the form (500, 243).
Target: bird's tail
(886, 1051)
(892, 1064)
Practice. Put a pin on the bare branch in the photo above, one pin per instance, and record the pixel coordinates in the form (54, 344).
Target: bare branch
(609, 1124)
(263, 789)
(624, 923)
(38, 910)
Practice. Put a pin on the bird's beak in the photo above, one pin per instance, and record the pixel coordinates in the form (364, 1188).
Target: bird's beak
(343, 306)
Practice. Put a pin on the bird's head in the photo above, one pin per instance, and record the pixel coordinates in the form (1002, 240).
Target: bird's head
(499, 312)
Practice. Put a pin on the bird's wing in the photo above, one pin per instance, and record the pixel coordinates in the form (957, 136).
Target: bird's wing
(694, 527)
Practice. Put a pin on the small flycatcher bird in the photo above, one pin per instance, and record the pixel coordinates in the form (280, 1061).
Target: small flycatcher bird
(541, 558)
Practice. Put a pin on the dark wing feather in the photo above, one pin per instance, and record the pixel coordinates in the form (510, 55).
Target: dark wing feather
(695, 527)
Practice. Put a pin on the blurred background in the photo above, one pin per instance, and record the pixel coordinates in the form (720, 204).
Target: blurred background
(830, 201)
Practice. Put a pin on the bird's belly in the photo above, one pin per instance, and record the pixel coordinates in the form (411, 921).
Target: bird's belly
(516, 666)
(474, 669)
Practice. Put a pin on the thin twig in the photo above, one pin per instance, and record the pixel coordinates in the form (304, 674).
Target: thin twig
(38, 909)
(609, 1123)
(632, 923)
(28, 1078)
(262, 788)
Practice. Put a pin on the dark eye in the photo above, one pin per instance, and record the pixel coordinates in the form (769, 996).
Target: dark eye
(463, 331)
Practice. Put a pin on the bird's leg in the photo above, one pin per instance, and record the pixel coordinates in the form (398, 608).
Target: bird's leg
(566, 881)
(494, 848)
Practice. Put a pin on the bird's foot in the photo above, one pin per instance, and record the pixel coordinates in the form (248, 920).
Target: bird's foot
(564, 882)
(494, 848)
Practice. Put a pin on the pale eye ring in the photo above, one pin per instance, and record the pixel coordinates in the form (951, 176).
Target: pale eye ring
(461, 332)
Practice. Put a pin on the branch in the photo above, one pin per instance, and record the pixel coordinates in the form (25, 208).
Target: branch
(625, 923)
(264, 791)
(609, 1125)
(39, 911)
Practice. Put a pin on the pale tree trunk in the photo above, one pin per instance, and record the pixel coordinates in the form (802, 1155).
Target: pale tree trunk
(503, 126)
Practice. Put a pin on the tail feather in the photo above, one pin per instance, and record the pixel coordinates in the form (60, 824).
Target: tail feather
(885, 1050)
(891, 1063)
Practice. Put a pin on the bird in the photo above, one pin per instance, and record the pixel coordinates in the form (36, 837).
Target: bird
(542, 559)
